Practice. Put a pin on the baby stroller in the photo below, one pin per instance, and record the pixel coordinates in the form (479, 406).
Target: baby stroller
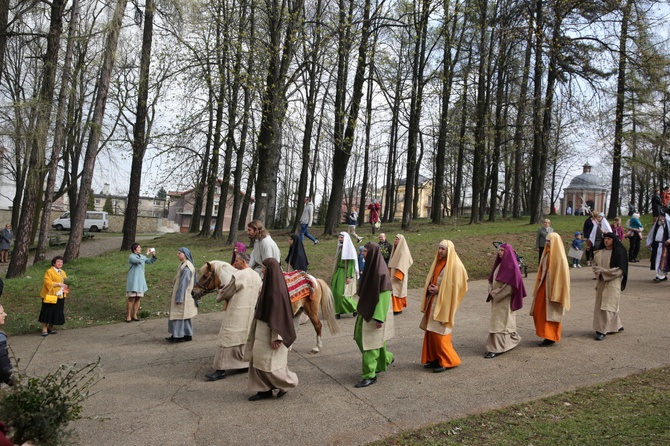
(520, 260)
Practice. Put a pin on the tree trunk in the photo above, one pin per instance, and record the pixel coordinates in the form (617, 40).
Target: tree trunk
(618, 122)
(38, 142)
(77, 227)
(59, 134)
(344, 142)
(140, 137)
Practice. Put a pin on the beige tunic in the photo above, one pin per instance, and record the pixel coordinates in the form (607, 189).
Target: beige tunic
(187, 309)
(238, 314)
(373, 337)
(502, 326)
(399, 286)
(268, 368)
(608, 294)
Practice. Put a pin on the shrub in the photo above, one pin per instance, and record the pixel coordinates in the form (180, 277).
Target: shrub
(40, 409)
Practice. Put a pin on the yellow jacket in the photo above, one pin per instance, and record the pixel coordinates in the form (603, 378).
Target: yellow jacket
(51, 278)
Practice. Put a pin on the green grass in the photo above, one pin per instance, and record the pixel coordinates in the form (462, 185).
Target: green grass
(98, 291)
(629, 411)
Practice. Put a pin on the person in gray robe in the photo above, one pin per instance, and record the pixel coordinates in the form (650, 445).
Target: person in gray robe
(182, 304)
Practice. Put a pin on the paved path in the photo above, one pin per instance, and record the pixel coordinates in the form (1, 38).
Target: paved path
(154, 393)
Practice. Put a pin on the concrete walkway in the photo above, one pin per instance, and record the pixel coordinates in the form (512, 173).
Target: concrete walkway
(155, 393)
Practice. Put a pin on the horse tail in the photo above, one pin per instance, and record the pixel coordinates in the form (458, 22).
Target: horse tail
(328, 307)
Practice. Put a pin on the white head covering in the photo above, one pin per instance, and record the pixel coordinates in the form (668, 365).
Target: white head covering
(348, 250)
(604, 228)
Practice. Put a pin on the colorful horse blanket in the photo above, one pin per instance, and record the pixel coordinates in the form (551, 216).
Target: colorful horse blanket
(299, 285)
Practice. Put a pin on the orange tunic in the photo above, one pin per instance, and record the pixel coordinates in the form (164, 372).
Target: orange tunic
(437, 347)
(544, 328)
(399, 302)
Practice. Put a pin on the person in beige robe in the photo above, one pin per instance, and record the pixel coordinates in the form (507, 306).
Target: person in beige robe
(611, 270)
(239, 302)
(272, 333)
(182, 305)
(506, 293)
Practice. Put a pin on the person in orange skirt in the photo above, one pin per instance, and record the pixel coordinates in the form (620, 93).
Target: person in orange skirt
(399, 264)
(446, 285)
(551, 292)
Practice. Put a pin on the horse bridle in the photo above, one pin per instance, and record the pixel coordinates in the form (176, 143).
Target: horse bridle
(205, 287)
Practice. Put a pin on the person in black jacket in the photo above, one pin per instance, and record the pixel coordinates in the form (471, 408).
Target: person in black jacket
(5, 363)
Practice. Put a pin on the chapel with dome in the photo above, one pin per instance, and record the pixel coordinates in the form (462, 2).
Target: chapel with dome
(585, 190)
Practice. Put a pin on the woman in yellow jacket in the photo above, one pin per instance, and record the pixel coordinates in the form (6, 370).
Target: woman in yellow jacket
(54, 284)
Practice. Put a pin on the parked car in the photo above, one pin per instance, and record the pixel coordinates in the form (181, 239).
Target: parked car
(96, 221)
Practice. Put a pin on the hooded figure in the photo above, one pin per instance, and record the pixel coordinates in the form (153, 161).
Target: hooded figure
(344, 281)
(551, 292)
(182, 305)
(399, 264)
(296, 258)
(443, 292)
(611, 270)
(506, 293)
(374, 324)
(271, 334)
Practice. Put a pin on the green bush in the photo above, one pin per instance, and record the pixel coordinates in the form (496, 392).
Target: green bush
(40, 409)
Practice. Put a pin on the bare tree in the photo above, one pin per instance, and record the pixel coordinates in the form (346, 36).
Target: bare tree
(79, 214)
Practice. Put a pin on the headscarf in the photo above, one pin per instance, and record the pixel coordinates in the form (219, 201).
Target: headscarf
(510, 274)
(619, 257)
(241, 247)
(453, 287)
(559, 273)
(187, 253)
(348, 251)
(274, 304)
(604, 227)
(297, 257)
(401, 257)
(374, 281)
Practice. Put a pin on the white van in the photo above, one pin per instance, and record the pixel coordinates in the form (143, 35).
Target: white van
(96, 221)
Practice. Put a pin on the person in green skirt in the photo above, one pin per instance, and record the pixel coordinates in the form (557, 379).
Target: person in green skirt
(374, 324)
(345, 277)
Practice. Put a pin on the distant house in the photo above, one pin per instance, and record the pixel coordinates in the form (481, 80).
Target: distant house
(425, 203)
(182, 203)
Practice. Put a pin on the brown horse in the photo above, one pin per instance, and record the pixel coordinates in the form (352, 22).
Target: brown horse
(216, 274)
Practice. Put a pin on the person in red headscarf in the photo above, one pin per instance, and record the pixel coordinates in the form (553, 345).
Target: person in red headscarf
(506, 293)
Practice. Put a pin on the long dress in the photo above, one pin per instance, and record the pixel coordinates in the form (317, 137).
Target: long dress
(342, 293)
(502, 327)
(608, 294)
(542, 306)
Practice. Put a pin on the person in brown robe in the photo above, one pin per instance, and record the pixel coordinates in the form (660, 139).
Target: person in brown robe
(272, 333)
(611, 270)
